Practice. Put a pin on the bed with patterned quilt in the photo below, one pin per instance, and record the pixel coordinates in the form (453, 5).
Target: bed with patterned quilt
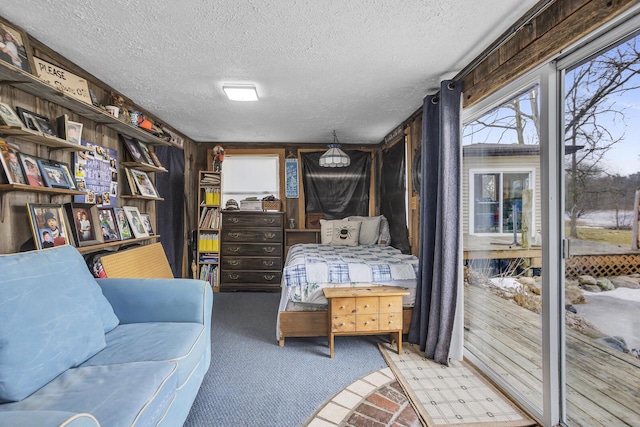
(311, 267)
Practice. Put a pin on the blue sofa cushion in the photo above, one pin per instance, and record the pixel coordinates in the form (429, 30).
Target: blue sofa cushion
(183, 343)
(47, 418)
(116, 395)
(48, 320)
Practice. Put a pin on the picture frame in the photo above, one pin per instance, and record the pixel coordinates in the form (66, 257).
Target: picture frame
(21, 56)
(133, 188)
(49, 225)
(108, 225)
(73, 132)
(144, 184)
(156, 160)
(135, 220)
(146, 222)
(85, 223)
(134, 150)
(9, 156)
(52, 175)
(8, 116)
(66, 169)
(146, 156)
(32, 172)
(123, 224)
(36, 122)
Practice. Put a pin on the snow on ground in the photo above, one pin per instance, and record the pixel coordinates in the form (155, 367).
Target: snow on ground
(506, 283)
(620, 293)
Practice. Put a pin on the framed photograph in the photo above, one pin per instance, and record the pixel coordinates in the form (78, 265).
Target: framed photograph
(11, 164)
(52, 175)
(146, 222)
(123, 224)
(15, 47)
(155, 159)
(135, 220)
(30, 167)
(132, 147)
(66, 170)
(36, 122)
(73, 132)
(85, 223)
(133, 188)
(144, 184)
(49, 225)
(146, 156)
(108, 225)
(8, 117)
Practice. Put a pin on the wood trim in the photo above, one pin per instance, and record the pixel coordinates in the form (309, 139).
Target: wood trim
(559, 26)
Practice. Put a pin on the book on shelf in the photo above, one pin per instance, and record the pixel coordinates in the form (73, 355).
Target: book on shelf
(209, 179)
(209, 218)
(209, 273)
(208, 242)
(211, 196)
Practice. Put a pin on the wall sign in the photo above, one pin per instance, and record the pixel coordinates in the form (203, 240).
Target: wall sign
(291, 178)
(96, 172)
(61, 79)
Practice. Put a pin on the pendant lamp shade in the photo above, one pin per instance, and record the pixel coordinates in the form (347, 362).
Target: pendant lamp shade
(334, 157)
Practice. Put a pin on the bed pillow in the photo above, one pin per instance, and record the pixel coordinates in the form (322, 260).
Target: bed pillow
(346, 233)
(369, 230)
(326, 231)
(385, 234)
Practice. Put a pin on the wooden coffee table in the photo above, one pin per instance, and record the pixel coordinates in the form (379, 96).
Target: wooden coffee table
(367, 310)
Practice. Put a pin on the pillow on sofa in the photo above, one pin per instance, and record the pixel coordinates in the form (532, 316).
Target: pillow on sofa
(49, 322)
(369, 230)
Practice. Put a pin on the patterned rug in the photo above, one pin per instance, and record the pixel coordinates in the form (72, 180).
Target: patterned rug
(452, 395)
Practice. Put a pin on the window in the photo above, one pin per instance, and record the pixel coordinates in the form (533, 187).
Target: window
(246, 176)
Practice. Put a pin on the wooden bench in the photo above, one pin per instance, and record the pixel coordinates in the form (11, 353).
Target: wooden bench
(144, 262)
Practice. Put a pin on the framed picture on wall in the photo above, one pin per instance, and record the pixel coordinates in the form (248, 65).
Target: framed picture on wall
(85, 223)
(144, 184)
(135, 220)
(8, 117)
(64, 167)
(49, 225)
(17, 50)
(11, 163)
(146, 222)
(123, 224)
(131, 144)
(36, 122)
(30, 167)
(52, 175)
(108, 225)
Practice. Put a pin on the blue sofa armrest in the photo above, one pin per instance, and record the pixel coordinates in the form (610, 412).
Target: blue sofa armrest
(159, 300)
(46, 419)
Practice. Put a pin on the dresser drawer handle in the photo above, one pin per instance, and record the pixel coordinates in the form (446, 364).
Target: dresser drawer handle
(268, 263)
(270, 235)
(342, 324)
(390, 305)
(366, 323)
(234, 235)
(234, 249)
(366, 306)
(234, 220)
(234, 276)
(342, 307)
(268, 220)
(234, 262)
(269, 276)
(268, 249)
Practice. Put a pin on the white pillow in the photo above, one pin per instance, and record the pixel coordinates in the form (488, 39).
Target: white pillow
(370, 229)
(326, 231)
(345, 233)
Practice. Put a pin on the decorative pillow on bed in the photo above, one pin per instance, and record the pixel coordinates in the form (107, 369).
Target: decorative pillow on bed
(385, 234)
(370, 229)
(345, 233)
(326, 231)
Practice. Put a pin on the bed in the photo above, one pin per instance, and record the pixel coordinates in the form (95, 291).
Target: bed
(311, 267)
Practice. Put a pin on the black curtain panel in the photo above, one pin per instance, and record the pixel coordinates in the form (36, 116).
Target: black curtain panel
(393, 193)
(170, 213)
(438, 271)
(337, 192)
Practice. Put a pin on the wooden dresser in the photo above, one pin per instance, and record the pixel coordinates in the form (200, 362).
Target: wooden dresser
(251, 250)
(365, 311)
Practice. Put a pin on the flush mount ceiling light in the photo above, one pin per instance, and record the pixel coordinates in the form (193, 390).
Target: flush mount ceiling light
(335, 157)
(241, 92)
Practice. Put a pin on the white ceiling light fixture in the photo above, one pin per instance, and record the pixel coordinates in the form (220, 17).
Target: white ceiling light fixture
(240, 92)
(334, 157)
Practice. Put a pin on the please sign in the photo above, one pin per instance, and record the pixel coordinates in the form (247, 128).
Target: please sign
(63, 80)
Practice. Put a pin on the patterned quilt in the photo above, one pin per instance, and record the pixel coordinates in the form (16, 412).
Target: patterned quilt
(309, 264)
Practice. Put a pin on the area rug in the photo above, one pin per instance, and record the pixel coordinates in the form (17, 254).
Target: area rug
(452, 395)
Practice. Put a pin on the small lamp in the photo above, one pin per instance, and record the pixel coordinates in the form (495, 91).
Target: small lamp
(334, 157)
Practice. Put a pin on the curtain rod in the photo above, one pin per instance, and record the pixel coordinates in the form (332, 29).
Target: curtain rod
(523, 22)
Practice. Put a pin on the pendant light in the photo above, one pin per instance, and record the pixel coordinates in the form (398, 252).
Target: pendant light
(334, 157)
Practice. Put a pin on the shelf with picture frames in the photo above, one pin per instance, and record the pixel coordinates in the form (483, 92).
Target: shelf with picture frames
(116, 243)
(40, 138)
(31, 84)
(138, 196)
(143, 167)
(7, 188)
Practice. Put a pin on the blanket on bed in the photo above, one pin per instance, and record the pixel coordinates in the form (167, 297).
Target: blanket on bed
(315, 263)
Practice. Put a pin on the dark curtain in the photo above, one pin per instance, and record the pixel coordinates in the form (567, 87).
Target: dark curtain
(393, 193)
(436, 293)
(170, 212)
(337, 192)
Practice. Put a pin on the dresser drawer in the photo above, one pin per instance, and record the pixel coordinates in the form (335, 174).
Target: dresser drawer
(367, 305)
(392, 304)
(341, 306)
(251, 249)
(243, 263)
(251, 220)
(390, 321)
(367, 322)
(343, 323)
(265, 277)
(251, 236)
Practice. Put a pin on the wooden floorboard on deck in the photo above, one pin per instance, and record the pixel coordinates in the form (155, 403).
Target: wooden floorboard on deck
(602, 383)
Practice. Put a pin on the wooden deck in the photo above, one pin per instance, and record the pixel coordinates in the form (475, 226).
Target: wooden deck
(603, 385)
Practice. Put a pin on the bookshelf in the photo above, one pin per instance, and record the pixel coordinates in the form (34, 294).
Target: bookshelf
(207, 260)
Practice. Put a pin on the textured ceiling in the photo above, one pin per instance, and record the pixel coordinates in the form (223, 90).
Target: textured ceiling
(360, 67)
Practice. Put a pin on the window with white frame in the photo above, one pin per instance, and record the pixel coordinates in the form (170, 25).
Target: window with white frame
(246, 176)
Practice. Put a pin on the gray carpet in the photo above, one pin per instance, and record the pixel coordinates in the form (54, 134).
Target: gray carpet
(254, 382)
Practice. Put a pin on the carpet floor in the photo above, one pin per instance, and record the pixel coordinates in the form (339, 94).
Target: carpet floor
(252, 381)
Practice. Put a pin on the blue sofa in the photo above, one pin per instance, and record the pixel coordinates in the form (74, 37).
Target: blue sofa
(77, 351)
